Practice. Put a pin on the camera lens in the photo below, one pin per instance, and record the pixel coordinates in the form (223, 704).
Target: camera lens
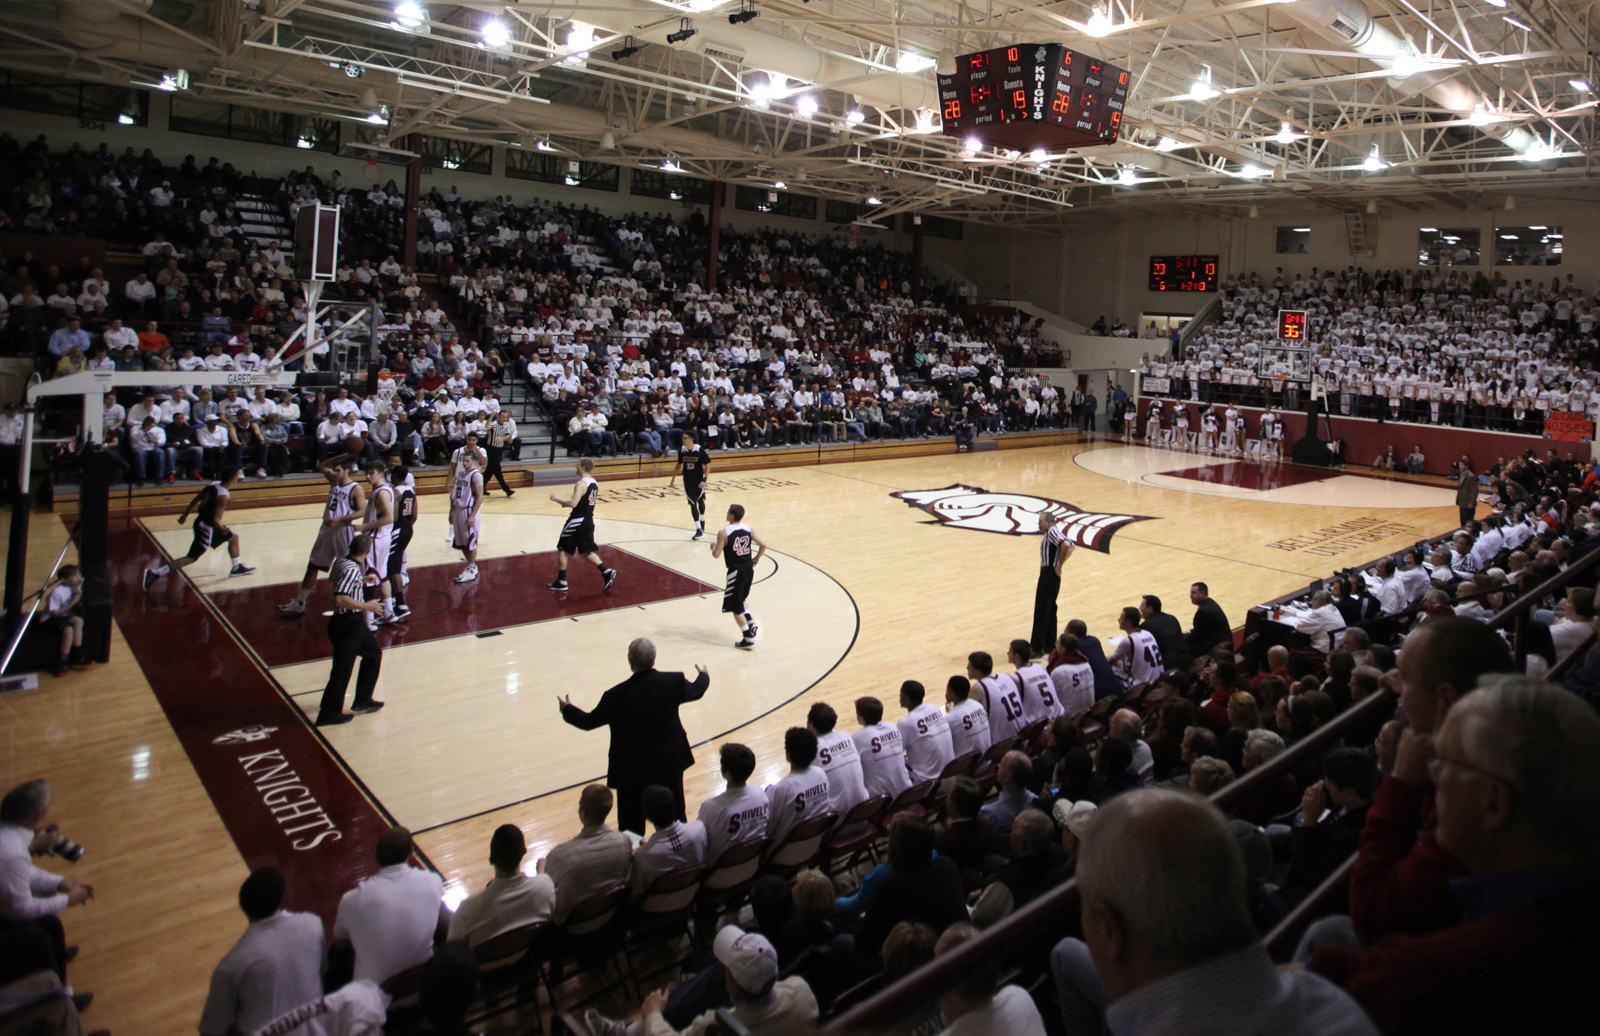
(68, 850)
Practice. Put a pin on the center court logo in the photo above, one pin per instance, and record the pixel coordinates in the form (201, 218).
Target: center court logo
(1015, 514)
(245, 735)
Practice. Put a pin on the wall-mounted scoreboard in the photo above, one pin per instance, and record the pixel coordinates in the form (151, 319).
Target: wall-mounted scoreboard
(1183, 273)
(1292, 326)
(1033, 95)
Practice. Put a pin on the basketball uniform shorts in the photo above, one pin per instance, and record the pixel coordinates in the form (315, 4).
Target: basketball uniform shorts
(378, 557)
(464, 528)
(208, 537)
(397, 552)
(737, 589)
(697, 497)
(577, 537)
(333, 543)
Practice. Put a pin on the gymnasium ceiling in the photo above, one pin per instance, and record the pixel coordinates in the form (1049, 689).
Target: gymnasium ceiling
(1333, 102)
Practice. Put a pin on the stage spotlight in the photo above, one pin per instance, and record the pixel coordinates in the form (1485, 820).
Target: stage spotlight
(683, 33)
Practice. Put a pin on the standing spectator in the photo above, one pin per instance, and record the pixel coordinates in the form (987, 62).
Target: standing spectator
(275, 966)
(390, 919)
(648, 745)
(1467, 492)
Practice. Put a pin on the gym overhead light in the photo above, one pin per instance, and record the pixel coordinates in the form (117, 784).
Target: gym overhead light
(1202, 90)
(780, 185)
(909, 62)
(496, 34)
(1374, 161)
(746, 13)
(1483, 115)
(626, 51)
(1167, 144)
(409, 16)
(702, 6)
(1099, 23)
(580, 37)
(806, 105)
(1286, 135)
(1514, 23)
(1038, 154)
(670, 165)
(174, 81)
(854, 117)
(873, 199)
(1541, 151)
(1580, 85)
(1128, 175)
(685, 31)
(1251, 171)
(1495, 3)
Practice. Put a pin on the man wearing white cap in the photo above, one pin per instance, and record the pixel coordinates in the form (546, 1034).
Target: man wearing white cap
(765, 1006)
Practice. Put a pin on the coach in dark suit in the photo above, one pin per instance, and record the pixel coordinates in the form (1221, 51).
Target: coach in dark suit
(648, 745)
(1169, 635)
(1210, 624)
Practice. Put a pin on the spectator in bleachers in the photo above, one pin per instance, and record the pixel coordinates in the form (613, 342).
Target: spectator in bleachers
(1517, 770)
(674, 845)
(275, 966)
(595, 858)
(739, 814)
(390, 920)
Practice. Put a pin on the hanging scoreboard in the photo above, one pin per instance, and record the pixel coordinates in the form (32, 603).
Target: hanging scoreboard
(1292, 326)
(1183, 273)
(1033, 95)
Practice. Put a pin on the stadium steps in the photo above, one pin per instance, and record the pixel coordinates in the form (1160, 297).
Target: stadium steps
(265, 222)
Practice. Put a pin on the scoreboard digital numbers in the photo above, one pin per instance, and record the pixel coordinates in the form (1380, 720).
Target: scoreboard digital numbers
(1041, 83)
(1292, 326)
(1183, 273)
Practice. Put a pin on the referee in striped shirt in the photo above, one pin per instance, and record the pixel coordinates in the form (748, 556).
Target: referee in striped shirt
(1054, 549)
(351, 637)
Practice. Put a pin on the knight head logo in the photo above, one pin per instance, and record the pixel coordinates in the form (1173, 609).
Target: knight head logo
(245, 735)
(1016, 514)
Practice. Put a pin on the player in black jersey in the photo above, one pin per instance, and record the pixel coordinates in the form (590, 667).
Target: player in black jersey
(741, 548)
(405, 519)
(577, 535)
(210, 506)
(695, 464)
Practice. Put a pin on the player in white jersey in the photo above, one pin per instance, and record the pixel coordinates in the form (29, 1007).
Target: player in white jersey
(378, 523)
(466, 501)
(1002, 698)
(1135, 656)
(346, 501)
(881, 751)
(738, 814)
(1072, 677)
(837, 755)
(925, 734)
(969, 720)
(1038, 693)
(800, 794)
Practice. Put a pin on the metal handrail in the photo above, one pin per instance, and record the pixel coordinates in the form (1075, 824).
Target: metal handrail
(1041, 919)
(22, 627)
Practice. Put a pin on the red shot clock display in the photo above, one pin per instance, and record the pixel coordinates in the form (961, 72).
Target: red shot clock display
(1292, 326)
(1033, 95)
(1183, 273)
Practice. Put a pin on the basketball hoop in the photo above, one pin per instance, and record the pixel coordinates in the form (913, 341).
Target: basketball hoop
(370, 172)
(1279, 381)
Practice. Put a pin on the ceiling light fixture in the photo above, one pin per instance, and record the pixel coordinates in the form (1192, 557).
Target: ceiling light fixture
(746, 13)
(1167, 144)
(872, 199)
(1578, 84)
(580, 37)
(1128, 175)
(1251, 171)
(1099, 23)
(806, 105)
(1483, 115)
(626, 51)
(1038, 154)
(1514, 23)
(779, 184)
(1374, 161)
(909, 62)
(854, 117)
(702, 6)
(1541, 151)
(1286, 135)
(685, 31)
(1202, 90)
(496, 34)
(670, 165)
(925, 117)
(409, 16)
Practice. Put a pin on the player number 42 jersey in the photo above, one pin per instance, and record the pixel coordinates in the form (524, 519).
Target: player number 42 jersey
(738, 546)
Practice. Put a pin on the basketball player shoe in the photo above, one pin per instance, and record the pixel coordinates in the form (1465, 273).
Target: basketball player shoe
(150, 576)
(558, 584)
(241, 570)
(293, 607)
(469, 575)
(699, 530)
(401, 611)
(611, 577)
(746, 643)
(751, 630)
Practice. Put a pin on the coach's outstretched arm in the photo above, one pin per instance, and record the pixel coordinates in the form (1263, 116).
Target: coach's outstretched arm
(601, 716)
(696, 690)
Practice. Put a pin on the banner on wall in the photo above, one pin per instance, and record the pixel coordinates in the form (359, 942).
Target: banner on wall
(1155, 386)
(1568, 426)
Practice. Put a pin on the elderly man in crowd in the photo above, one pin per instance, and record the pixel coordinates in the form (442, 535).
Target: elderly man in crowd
(1168, 944)
(31, 896)
(1516, 766)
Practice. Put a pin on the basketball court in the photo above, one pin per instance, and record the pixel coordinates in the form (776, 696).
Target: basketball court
(190, 756)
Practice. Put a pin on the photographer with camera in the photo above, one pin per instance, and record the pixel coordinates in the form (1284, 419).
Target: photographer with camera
(30, 895)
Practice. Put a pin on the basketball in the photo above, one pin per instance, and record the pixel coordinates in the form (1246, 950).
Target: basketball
(354, 444)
